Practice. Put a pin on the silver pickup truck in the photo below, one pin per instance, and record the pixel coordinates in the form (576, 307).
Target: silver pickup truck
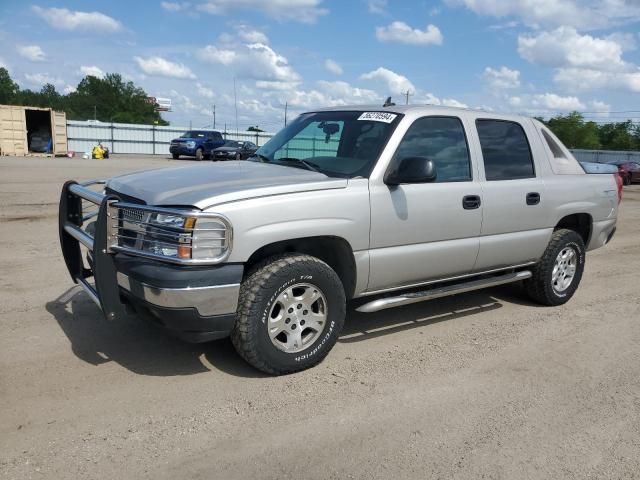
(375, 206)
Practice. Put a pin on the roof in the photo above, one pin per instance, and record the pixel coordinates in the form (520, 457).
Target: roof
(404, 109)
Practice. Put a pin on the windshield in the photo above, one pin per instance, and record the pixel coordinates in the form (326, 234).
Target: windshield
(192, 134)
(232, 144)
(341, 144)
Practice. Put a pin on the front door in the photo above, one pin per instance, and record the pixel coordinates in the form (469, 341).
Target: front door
(427, 231)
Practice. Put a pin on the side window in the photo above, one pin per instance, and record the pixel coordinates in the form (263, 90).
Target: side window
(441, 139)
(505, 150)
(217, 136)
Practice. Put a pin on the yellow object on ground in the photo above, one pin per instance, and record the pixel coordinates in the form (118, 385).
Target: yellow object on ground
(98, 152)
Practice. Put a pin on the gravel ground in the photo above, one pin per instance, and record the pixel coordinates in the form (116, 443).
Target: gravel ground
(482, 385)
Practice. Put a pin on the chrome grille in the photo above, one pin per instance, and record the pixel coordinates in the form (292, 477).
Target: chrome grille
(139, 230)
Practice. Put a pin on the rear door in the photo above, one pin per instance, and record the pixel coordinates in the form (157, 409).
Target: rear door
(515, 216)
(426, 231)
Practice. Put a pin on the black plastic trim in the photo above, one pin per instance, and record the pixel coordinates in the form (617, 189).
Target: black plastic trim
(165, 275)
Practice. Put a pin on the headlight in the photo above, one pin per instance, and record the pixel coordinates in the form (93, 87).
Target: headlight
(191, 144)
(184, 238)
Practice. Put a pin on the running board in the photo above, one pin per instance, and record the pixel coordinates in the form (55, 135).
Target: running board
(415, 297)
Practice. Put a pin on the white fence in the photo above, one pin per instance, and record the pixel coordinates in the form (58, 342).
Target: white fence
(132, 138)
(606, 156)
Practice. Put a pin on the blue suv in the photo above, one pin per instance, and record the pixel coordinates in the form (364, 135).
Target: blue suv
(196, 143)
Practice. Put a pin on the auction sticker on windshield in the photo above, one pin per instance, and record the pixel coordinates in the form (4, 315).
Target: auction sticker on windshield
(378, 116)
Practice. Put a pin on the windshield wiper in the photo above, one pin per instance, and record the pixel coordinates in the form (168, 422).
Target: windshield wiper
(304, 163)
(262, 158)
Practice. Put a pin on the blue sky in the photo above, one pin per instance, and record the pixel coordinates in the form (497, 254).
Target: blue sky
(539, 57)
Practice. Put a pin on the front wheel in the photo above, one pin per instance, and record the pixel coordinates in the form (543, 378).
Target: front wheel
(557, 276)
(290, 313)
(626, 180)
(175, 156)
(199, 154)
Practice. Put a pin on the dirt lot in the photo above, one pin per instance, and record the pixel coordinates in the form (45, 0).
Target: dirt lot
(483, 385)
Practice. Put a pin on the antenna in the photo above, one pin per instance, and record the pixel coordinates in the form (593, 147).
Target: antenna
(388, 103)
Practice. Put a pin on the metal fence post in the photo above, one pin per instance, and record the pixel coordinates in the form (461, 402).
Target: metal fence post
(113, 150)
(153, 138)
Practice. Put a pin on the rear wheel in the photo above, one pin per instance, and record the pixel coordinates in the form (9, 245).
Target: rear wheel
(557, 276)
(199, 154)
(290, 313)
(175, 156)
(626, 180)
(238, 156)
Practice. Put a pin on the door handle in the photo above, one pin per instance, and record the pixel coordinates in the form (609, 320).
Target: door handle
(471, 202)
(533, 198)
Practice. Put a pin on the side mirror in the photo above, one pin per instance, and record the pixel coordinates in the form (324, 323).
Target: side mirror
(412, 170)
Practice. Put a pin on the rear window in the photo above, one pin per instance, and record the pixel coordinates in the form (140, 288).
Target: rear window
(505, 150)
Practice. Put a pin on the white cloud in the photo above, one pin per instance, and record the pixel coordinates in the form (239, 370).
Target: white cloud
(40, 79)
(501, 78)
(250, 35)
(583, 62)
(400, 32)
(565, 47)
(377, 6)
(69, 89)
(600, 109)
(333, 67)
(452, 102)
(175, 6)
(583, 14)
(64, 19)
(257, 61)
(204, 91)
(32, 53)
(394, 82)
(3, 64)
(161, 67)
(573, 79)
(544, 102)
(92, 70)
(306, 11)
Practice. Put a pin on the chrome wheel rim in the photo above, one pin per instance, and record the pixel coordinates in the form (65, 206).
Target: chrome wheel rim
(564, 269)
(297, 317)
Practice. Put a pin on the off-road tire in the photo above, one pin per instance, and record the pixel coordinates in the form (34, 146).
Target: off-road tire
(540, 286)
(626, 180)
(199, 154)
(259, 292)
(238, 156)
(175, 156)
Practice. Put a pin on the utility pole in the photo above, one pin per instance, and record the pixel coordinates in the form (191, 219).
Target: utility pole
(407, 94)
(214, 117)
(286, 105)
(95, 113)
(235, 102)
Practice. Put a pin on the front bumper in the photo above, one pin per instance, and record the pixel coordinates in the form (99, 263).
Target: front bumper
(196, 303)
(182, 150)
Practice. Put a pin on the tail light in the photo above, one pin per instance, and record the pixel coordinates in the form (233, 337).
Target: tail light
(619, 183)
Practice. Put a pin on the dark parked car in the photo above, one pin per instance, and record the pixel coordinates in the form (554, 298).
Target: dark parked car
(233, 150)
(196, 143)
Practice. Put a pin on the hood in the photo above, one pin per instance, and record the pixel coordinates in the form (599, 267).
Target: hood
(209, 184)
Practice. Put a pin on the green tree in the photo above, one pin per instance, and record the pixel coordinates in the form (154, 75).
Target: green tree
(8, 88)
(112, 100)
(574, 131)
